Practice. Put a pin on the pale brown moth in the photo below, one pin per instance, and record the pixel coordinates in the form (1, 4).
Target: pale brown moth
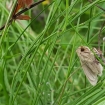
(90, 65)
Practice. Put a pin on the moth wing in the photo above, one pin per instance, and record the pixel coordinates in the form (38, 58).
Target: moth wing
(91, 76)
(94, 65)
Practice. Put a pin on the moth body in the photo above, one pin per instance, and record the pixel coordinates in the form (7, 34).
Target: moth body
(91, 66)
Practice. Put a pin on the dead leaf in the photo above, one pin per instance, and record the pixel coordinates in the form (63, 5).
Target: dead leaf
(23, 17)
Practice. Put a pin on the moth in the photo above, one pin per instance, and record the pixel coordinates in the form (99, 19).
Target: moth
(90, 65)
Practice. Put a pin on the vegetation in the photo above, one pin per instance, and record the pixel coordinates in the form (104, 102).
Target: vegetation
(38, 60)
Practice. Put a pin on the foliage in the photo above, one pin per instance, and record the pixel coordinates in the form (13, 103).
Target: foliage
(38, 60)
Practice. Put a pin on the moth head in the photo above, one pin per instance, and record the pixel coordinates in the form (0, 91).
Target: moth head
(82, 51)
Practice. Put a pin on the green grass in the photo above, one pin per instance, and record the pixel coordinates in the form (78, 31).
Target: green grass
(38, 60)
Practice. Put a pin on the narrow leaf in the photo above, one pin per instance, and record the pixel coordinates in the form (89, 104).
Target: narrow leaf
(22, 3)
(23, 17)
(25, 3)
(28, 3)
(17, 9)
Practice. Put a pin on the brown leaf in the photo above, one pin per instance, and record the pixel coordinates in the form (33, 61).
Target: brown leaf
(17, 9)
(23, 17)
(25, 3)
(28, 3)
(21, 3)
